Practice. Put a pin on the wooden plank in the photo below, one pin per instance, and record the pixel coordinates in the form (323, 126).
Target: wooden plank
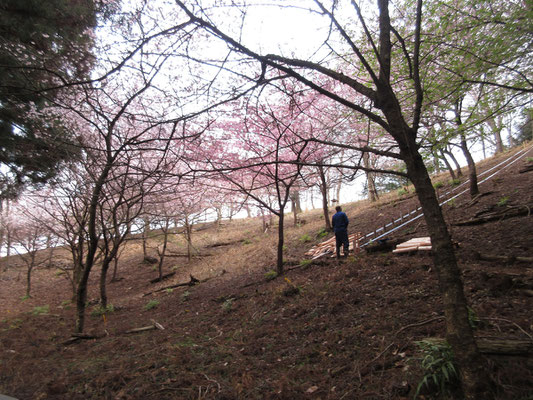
(424, 248)
(405, 249)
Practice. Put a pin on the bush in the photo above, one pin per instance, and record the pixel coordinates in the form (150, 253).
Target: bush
(151, 304)
(306, 263)
(438, 185)
(99, 311)
(455, 182)
(440, 371)
(321, 233)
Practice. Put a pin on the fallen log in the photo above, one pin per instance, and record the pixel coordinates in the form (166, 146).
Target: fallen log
(192, 282)
(166, 276)
(527, 168)
(503, 259)
(382, 246)
(500, 347)
(517, 211)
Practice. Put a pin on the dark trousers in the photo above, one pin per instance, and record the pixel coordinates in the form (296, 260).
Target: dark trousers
(341, 239)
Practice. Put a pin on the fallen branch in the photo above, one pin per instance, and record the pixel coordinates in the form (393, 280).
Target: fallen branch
(427, 321)
(223, 244)
(192, 282)
(75, 337)
(510, 322)
(155, 325)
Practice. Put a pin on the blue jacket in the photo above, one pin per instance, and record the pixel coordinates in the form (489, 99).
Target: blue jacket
(339, 222)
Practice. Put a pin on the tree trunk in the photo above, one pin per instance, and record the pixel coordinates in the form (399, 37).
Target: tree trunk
(188, 237)
(115, 269)
(458, 170)
(28, 275)
(496, 131)
(164, 250)
(146, 232)
(81, 300)
(296, 206)
(370, 181)
(458, 331)
(448, 165)
(472, 173)
(50, 251)
(279, 262)
(324, 192)
(436, 163)
(103, 283)
(219, 216)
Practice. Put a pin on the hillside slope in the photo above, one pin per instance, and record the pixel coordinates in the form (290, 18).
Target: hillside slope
(324, 330)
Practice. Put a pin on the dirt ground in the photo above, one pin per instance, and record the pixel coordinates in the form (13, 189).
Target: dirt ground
(324, 330)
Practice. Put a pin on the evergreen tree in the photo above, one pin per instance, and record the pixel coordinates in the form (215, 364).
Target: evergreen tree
(44, 46)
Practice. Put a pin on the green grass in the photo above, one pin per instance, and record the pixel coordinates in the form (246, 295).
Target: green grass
(503, 201)
(39, 310)
(151, 304)
(271, 275)
(402, 192)
(305, 238)
(322, 233)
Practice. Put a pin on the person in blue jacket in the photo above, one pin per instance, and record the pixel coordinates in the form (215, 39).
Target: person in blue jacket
(339, 221)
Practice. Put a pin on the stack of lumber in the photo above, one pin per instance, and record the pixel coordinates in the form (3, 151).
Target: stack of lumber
(415, 244)
(328, 246)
